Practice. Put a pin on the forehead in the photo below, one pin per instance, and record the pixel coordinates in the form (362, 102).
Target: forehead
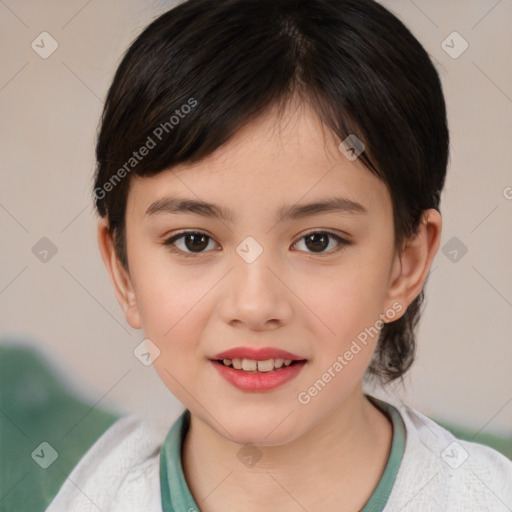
(270, 163)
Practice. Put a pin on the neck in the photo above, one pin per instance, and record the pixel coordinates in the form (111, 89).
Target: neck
(346, 451)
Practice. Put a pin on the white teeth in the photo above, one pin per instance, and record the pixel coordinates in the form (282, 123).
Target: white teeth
(251, 365)
(265, 366)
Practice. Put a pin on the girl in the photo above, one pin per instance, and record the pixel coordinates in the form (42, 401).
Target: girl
(268, 184)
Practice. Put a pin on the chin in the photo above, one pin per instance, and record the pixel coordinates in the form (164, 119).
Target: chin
(265, 432)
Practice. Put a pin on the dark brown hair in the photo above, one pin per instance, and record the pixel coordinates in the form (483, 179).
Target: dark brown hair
(204, 69)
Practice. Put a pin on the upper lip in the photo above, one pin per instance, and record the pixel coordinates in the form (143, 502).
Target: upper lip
(257, 354)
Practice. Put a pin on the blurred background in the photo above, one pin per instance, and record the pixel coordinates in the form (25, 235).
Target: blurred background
(58, 59)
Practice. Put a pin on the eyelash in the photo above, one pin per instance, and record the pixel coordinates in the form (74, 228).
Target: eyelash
(169, 243)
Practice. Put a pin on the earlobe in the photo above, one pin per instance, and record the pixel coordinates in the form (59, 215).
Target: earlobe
(412, 265)
(119, 276)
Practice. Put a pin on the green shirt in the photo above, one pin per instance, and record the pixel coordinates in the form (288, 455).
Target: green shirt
(176, 495)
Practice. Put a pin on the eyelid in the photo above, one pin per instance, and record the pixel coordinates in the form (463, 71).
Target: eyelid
(176, 235)
(345, 236)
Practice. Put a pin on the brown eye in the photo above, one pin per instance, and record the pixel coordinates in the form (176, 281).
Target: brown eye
(318, 241)
(191, 242)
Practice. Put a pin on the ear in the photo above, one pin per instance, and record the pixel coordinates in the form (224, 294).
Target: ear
(119, 276)
(411, 266)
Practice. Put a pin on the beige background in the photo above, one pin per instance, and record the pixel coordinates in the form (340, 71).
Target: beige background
(66, 307)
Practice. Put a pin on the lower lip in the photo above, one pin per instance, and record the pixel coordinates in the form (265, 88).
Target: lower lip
(255, 382)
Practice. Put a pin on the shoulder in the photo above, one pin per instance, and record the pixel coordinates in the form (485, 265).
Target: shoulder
(120, 472)
(441, 472)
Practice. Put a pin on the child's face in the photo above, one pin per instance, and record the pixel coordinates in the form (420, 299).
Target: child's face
(313, 304)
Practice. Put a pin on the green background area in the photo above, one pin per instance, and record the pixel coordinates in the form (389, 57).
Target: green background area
(36, 407)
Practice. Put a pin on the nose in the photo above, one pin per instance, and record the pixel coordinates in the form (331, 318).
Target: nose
(255, 296)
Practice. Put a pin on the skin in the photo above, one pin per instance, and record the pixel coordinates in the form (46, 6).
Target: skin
(330, 453)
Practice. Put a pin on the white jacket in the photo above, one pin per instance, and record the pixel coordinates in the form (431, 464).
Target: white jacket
(438, 472)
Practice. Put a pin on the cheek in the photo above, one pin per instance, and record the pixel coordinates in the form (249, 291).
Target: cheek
(345, 340)
(171, 307)
(346, 305)
(165, 292)
(351, 315)
(173, 316)
(347, 301)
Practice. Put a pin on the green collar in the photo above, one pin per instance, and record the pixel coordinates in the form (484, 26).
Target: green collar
(176, 494)
(380, 495)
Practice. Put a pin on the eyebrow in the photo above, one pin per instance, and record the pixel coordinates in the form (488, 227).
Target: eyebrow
(173, 205)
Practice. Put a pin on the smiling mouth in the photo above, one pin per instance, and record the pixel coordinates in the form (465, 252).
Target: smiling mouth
(254, 366)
